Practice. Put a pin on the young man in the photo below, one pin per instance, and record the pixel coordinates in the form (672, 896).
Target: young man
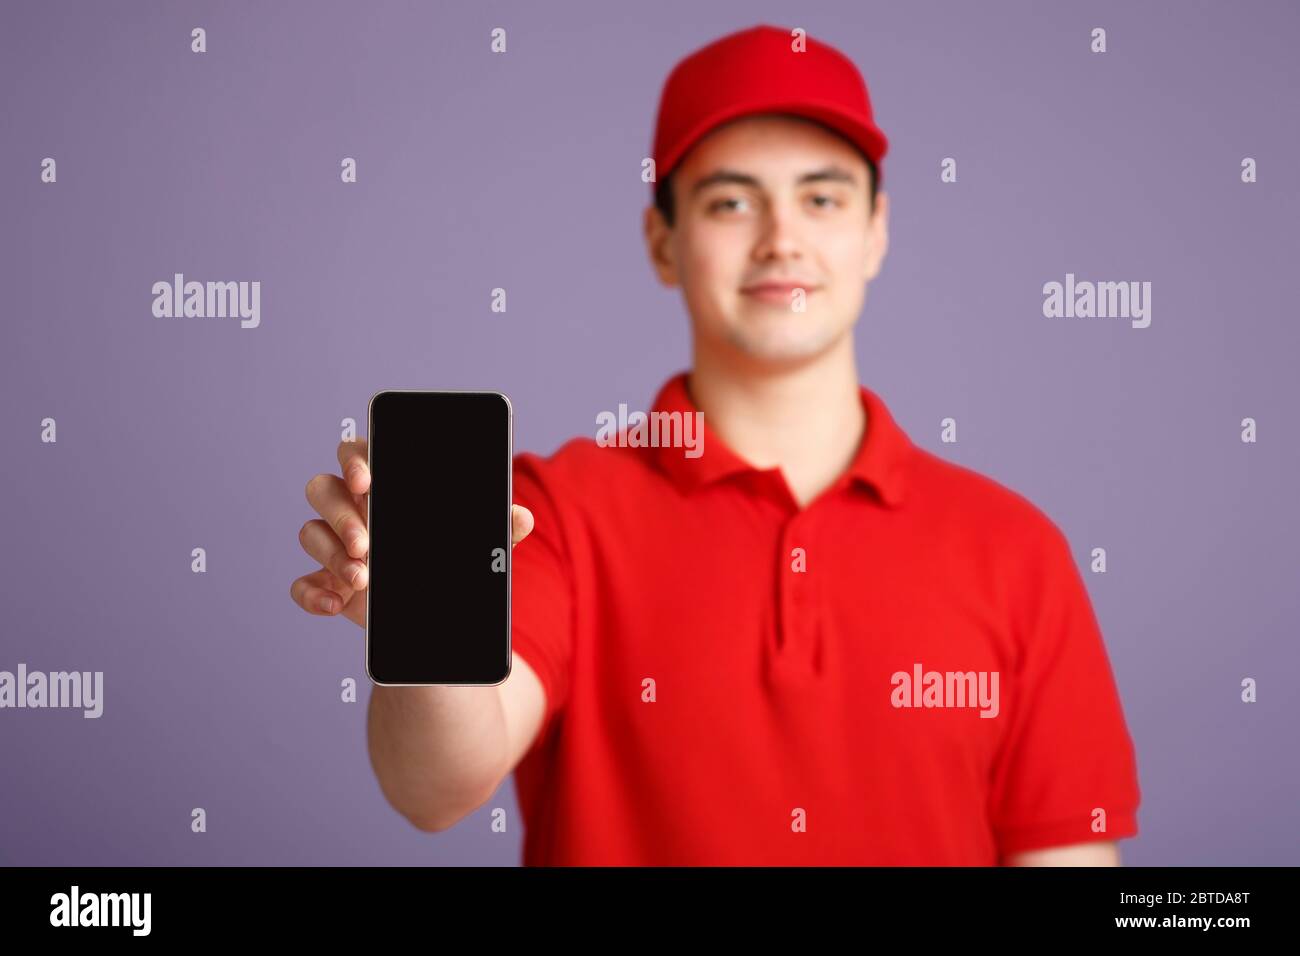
(794, 637)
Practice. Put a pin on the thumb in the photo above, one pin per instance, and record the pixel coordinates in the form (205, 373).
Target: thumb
(522, 523)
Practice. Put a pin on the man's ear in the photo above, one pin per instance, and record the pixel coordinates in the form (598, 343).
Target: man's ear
(659, 245)
(878, 238)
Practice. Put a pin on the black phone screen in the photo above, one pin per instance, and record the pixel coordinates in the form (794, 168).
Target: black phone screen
(438, 608)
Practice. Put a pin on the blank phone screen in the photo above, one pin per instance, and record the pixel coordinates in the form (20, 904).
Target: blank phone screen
(439, 592)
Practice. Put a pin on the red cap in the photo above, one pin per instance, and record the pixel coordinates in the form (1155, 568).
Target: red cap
(759, 70)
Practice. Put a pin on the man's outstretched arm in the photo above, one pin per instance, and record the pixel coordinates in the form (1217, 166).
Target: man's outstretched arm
(1079, 854)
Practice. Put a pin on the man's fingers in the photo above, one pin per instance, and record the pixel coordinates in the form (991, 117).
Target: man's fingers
(355, 611)
(354, 465)
(320, 542)
(521, 520)
(333, 502)
(320, 593)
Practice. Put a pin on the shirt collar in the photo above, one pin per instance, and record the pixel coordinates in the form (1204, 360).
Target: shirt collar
(879, 463)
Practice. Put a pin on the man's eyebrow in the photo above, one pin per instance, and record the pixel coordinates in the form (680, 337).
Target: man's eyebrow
(836, 174)
(827, 174)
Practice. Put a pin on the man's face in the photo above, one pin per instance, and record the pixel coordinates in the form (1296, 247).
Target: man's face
(779, 200)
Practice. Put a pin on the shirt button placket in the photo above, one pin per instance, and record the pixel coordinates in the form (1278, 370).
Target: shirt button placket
(795, 647)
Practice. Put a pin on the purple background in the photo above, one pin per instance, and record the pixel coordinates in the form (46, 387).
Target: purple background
(522, 171)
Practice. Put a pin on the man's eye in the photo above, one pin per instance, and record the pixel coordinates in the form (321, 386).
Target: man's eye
(727, 205)
(829, 202)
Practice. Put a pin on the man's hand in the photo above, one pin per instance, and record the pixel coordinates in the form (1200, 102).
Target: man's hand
(340, 540)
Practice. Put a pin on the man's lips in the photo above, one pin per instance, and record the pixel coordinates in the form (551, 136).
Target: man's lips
(785, 285)
(777, 291)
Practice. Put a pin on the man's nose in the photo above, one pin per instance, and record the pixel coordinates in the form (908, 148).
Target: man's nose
(781, 233)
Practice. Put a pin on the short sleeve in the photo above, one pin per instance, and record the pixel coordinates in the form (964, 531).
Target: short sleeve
(541, 614)
(1067, 752)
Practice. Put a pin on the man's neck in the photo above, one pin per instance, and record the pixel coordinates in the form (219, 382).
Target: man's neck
(808, 421)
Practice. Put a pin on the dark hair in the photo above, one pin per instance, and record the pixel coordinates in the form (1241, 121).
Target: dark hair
(664, 192)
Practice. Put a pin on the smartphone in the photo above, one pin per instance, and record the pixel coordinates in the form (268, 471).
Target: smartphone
(438, 602)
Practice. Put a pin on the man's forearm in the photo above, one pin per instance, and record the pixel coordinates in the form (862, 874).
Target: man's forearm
(438, 752)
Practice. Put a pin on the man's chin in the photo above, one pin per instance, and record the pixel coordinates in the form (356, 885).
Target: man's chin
(781, 351)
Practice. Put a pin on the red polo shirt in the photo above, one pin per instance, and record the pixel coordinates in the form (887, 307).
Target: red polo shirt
(724, 669)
